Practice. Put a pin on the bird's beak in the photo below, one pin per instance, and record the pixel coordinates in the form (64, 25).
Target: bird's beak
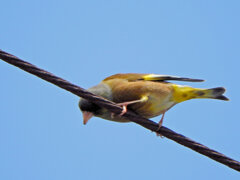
(86, 116)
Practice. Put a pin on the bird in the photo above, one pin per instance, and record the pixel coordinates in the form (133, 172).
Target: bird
(148, 95)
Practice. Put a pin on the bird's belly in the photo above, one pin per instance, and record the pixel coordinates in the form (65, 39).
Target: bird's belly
(155, 106)
(161, 108)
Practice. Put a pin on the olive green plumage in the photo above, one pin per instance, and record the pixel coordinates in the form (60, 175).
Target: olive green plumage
(148, 95)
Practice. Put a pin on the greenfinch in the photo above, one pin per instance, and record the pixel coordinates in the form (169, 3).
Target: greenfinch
(148, 95)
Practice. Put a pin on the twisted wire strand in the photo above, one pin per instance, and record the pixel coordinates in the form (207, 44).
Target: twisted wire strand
(111, 106)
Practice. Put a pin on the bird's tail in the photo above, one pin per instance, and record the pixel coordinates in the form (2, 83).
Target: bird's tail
(214, 93)
(183, 93)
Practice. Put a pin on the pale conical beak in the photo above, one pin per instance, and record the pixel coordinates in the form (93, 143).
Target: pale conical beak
(86, 116)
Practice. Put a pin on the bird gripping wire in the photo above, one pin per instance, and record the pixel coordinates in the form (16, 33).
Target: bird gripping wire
(111, 106)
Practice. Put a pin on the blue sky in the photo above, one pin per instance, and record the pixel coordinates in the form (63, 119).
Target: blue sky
(41, 130)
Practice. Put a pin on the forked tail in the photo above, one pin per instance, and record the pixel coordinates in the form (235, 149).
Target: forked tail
(214, 93)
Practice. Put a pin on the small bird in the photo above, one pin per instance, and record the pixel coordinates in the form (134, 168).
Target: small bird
(148, 95)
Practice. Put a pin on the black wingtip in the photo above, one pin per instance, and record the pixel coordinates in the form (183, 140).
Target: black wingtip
(187, 79)
(196, 80)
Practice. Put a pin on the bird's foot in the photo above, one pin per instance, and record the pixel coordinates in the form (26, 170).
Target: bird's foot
(159, 134)
(124, 106)
(112, 115)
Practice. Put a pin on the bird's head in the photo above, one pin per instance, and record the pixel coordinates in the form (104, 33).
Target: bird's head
(88, 109)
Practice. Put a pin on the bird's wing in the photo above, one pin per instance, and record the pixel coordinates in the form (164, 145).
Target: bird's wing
(150, 77)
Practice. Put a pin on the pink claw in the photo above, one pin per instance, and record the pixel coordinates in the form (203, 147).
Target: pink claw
(124, 110)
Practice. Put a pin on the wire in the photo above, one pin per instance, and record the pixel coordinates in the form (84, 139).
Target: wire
(111, 106)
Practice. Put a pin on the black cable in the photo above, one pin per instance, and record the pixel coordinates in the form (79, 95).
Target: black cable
(117, 109)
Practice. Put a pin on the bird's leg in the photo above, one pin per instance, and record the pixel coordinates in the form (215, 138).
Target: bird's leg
(125, 104)
(160, 124)
(161, 121)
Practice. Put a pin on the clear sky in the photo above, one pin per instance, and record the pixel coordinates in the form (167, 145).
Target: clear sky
(41, 132)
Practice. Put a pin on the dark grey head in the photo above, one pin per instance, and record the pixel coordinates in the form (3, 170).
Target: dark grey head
(88, 106)
(90, 109)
